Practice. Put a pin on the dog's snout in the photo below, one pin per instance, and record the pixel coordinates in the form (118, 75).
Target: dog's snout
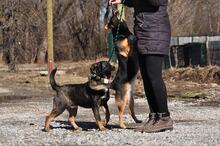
(113, 68)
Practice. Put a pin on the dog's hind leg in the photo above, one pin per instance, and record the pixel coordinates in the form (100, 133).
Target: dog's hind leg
(72, 114)
(50, 118)
(58, 108)
(131, 89)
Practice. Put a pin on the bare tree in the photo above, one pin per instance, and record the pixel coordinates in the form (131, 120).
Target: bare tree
(77, 30)
(78, 27)
(10, 34)
(85, 29)
(194, 17)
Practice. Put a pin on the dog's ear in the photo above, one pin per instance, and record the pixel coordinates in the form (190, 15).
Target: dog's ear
(93, 69)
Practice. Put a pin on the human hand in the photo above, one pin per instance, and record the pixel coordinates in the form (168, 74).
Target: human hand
(114, 2)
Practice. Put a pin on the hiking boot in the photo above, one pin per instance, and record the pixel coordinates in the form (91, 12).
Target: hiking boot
(160, 124)
(150, 121)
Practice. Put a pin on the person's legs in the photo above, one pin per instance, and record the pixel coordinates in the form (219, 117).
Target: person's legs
(149, 94)
(147, 84)
(155, 90)
(154, 72)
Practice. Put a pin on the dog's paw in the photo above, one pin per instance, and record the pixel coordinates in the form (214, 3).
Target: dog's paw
(123, 126)
(46, 129)
(78, 129)
(103, 129)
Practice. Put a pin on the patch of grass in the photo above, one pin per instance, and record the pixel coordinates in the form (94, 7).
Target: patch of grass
(195, 94)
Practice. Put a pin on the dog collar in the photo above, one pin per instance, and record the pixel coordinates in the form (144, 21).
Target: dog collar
(105, 81)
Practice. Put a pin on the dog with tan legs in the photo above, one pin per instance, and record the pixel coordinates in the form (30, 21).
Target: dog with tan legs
(124, 81)
(92, 94)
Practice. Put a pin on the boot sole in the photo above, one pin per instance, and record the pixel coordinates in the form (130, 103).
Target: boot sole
(160, 130)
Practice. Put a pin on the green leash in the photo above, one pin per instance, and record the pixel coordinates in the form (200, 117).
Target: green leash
(112, 41)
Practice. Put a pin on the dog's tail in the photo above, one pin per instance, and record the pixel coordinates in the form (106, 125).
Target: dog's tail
(52, 80)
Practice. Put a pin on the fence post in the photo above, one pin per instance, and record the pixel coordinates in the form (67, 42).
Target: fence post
(208, 51)
(50, 34)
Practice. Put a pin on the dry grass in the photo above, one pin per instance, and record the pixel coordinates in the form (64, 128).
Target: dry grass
(180, 82)
(209, 74)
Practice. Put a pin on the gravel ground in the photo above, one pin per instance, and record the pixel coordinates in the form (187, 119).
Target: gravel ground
(21, 123)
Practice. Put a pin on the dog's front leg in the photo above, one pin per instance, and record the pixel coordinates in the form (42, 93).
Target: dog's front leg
(98, 118)
(107, 114)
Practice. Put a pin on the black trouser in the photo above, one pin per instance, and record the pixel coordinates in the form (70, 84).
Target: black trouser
(155, 89)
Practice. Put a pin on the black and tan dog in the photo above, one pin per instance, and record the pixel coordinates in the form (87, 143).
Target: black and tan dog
(124, 81)
(92, 94)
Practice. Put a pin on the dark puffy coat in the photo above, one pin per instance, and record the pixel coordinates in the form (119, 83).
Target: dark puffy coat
(152, 25)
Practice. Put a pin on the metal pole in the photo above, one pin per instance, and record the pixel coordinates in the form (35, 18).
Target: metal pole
(50, 34)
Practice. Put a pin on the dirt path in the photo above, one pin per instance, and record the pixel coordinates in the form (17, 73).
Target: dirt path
(21, 123)
(4, 90)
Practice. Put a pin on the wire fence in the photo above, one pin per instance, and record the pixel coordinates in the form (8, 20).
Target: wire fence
(194, 51)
